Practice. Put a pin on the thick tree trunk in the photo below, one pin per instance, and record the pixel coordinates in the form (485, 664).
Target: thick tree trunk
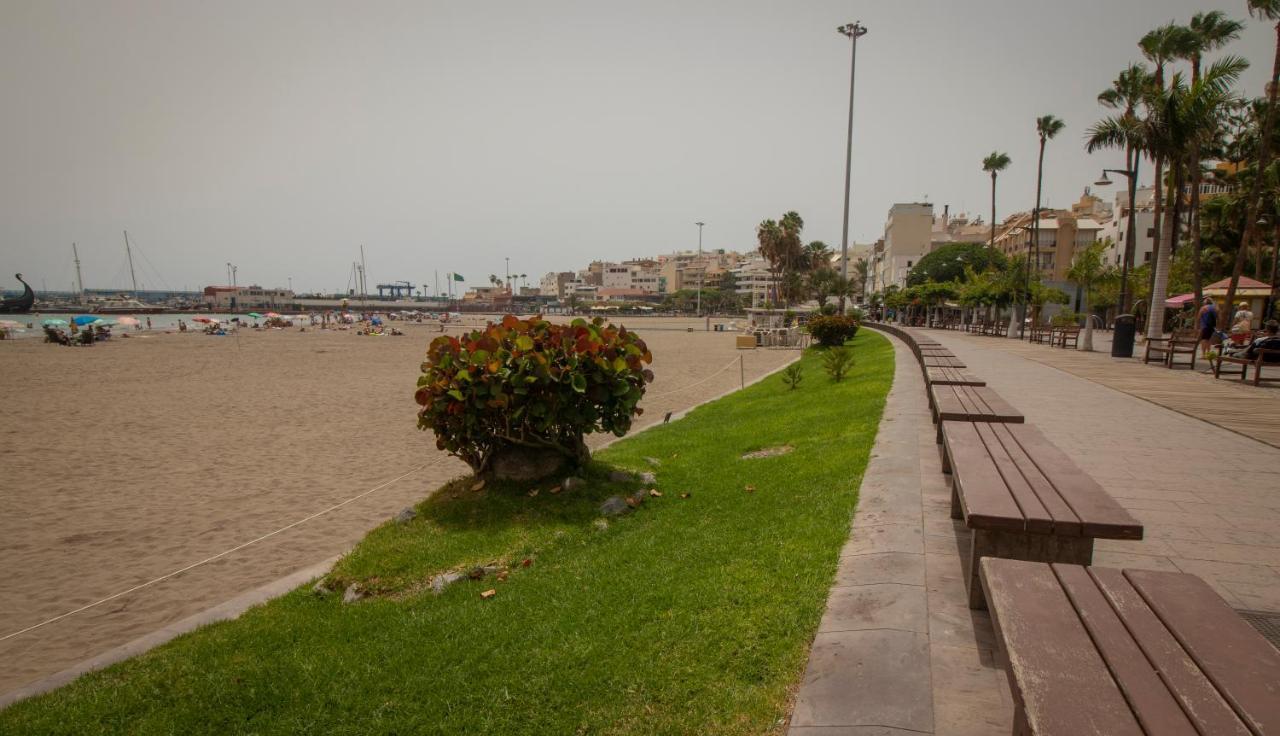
(1088, 324)
(1164, 256)
(1255, 191)
(1157, 220)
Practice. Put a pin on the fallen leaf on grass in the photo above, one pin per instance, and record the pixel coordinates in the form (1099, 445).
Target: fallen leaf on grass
(527, 562)
(632, 503)
(655, 493)
(750, 489)
(477, 485)
(553, 489)
(489, 593)
(685, 495)
(502, 575)
(533, 493)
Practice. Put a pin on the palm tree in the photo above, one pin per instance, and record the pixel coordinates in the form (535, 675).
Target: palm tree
(1086, 266)
(1162, 45)
(1047, 127)
(1126, 93)
(1266, 10)
(1183, 117)
(994, 163)
(818, 255)
(1207, 32)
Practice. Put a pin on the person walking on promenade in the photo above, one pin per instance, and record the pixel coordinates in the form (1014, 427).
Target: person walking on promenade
(1207, 320)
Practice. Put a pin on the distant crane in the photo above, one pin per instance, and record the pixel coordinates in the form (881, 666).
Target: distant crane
(397, 289)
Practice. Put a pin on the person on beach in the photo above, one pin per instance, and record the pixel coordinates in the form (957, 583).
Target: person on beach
(1242, 320)
(1207, 320)
(148, 323)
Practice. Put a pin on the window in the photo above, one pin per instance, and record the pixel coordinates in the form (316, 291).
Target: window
(1146, 257)
(1151, 232)
(908, 264)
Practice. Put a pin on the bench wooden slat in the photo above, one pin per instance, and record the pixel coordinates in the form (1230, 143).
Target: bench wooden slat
(1100, 514)
(972, 403)
(983, 497)
(1149, 698)
(1062, 519)
(1036, 517)
(933, 361)
(1059, 681)
(1199, 697)
(947, 376)
(1235, 657)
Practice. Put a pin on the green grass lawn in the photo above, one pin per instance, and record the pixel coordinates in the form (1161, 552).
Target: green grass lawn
(688, 615)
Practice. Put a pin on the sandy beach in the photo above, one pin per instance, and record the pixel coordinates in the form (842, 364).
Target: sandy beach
(135, 458)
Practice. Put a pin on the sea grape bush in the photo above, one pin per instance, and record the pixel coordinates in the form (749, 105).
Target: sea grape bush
(833, 331)
(531, 383)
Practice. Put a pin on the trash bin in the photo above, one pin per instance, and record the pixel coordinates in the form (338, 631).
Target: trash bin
(1122, 336)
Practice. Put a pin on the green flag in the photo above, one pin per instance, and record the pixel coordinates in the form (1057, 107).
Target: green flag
(458, 277)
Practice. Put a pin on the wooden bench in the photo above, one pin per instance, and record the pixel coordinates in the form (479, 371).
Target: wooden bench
(1041, 334)
(941, 361)
(1067, 335)
(1117, 652)
(1181, 342)
(960, 403)
(948, 376)
(1024, 499)
(1265, 356)
(935, 351)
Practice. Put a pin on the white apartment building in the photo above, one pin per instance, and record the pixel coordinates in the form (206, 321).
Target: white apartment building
(908, 234)
(554, 283)
(754, 281)
(1117, 228)
(631, 277)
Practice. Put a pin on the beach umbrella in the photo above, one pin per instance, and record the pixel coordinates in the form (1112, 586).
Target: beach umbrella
(85, 319)
(255, 315)
(55, 322)
(128, 321)
(8, 324)
(202, 318)
(272, 315)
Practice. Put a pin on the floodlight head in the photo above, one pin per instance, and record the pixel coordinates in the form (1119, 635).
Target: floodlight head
(1103, 181)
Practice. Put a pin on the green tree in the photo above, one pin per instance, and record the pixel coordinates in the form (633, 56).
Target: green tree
(1268, 10)
(817, 256)
(1184, 117)
(994, 163)
(1047, 128)
(1124, 131)
(1086, 267)
(1207, 32)
(948, 262)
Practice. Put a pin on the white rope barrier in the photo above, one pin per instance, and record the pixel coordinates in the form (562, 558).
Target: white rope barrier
(220, 555)
(695, 383)
(286, 528)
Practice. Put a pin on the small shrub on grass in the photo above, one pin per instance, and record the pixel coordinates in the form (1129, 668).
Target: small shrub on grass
(833, 331)
(529, 383)
(838, 362)
(792, 376)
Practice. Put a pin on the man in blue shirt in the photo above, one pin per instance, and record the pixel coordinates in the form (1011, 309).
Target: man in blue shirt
(1207, 319)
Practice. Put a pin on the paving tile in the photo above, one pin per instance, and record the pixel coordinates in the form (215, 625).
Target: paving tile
(1107, 558)
(850, 731)
(885, 538)
(888, 567)
(1236, 535)
(867, 678)
(1229, 572)
(876, 606)
(1253, 597)
(966, 692)
(1226, 552)
(952, 623)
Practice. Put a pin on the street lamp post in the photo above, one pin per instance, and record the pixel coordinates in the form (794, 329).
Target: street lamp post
(508, 260)
(1122, 344)
(701, 265)
(854, 31)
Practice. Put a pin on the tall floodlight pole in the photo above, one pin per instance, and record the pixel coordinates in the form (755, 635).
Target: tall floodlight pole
(854, 31)
(703, 266)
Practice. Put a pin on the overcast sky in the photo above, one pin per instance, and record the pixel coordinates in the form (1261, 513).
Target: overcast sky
(281, 136)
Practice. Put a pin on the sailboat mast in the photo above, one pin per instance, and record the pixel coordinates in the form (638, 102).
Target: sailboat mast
(364, 290)
(129, 254)
(79, 279)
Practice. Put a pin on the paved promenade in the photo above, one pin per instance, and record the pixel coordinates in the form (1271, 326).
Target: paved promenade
(899, 652)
